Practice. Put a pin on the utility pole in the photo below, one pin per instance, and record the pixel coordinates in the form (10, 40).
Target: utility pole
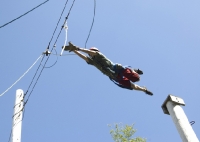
(172, 106)
(17, 117)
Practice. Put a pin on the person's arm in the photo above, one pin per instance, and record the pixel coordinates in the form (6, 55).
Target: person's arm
(84, 57)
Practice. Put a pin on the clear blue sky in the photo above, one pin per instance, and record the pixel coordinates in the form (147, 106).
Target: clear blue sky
(73, 101)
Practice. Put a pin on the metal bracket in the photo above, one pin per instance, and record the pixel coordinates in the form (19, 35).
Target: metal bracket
(174, 99)
(47, 52)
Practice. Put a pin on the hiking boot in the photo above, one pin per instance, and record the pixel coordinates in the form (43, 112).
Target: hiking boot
(70, 47)
(140, 72)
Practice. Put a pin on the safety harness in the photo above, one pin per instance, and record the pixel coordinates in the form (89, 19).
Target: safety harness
(118, 69)
(112, 71)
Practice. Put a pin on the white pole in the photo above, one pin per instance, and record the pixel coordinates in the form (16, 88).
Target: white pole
(17, 117)
(172, 104)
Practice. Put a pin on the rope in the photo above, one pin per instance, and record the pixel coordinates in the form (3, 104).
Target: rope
(66, 29)
(64, 22)
(15, 124)
(62, 54)
(58, 23)
(23, 14)
(34, 76)
(50, 51)
(46, 59)
(92, 23)
(21, 76)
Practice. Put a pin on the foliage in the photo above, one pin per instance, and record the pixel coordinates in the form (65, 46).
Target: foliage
(124, 134)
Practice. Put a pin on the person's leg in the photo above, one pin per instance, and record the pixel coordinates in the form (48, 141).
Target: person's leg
(137, 87)
(127, 83)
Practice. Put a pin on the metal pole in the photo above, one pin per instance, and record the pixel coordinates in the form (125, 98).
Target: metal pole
(17, 117)
(172, 107)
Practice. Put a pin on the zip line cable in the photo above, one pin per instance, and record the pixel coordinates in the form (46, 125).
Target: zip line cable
(23, 14)
(92, 23)
(53, 54)
(16, 123)
(21, 76)
(24, 103)
(45, 61)
(54, 62)
(58, 23)
(51, 49)
(48, 45)
(34, 76)
(66, 18)
(62, 54)
(66, 28)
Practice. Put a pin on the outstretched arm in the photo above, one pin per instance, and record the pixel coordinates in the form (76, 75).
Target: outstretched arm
(84, 57)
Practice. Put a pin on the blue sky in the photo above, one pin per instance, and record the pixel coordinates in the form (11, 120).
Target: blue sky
(73, 101)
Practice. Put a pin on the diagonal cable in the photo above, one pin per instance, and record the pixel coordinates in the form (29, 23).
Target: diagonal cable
(23, 14)
(50, 52)
(20, 77)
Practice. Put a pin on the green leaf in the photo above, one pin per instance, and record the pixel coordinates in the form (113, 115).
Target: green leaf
(125, 134)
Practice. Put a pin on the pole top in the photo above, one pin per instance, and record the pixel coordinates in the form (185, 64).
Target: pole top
(174, 99)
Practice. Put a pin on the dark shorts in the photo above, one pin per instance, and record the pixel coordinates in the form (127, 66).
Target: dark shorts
(127, 77)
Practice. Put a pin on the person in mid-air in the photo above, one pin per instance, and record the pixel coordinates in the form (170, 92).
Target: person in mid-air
(121, 76)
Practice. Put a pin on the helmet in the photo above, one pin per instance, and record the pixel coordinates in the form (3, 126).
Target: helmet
(94, 49)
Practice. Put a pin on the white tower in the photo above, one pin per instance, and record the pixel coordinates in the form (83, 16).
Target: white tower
(172, 106)
(17, 117)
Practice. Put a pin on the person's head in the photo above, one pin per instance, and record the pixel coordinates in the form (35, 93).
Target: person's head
(93, 49)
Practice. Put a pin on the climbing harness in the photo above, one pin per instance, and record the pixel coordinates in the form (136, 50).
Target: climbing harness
(118, 69)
